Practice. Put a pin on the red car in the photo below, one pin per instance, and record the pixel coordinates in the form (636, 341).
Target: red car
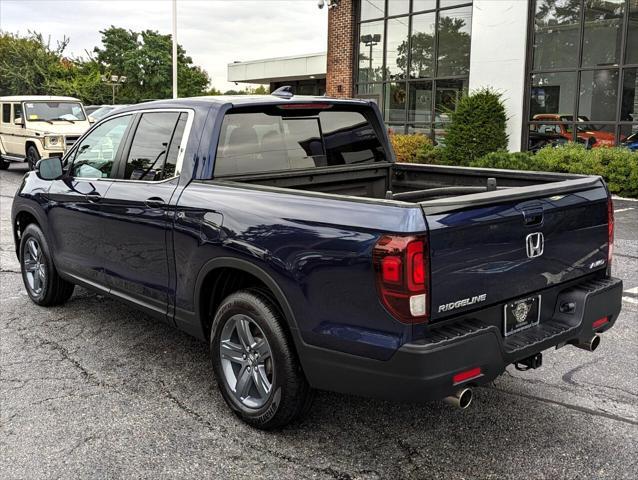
(584, 131)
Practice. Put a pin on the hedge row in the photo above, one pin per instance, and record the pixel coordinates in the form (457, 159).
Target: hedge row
(618, 166)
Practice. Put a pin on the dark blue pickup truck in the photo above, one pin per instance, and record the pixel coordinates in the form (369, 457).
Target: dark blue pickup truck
(281, 230)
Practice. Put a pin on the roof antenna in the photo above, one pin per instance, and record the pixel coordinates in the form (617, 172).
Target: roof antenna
(283, 92)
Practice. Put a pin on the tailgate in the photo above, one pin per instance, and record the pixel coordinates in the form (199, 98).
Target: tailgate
(483, 253)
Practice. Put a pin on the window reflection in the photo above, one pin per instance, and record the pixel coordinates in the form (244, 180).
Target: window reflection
(454, 31)
(602, 32)
(420, 106)
(629, 108)
(556, 32)
(397, 53)
(371, 52)
(423, 28)
(372, 9)
(632, 33)
(395, 102)
(598, 95)
(552, 93)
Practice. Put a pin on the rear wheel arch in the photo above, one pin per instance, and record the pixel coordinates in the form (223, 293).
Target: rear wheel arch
(222, 276)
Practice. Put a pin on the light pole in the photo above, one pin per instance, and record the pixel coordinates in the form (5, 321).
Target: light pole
(114, 81)
(174, 48)
(370, 41)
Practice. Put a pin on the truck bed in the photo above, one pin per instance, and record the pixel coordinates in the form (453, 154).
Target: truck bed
(435, 187)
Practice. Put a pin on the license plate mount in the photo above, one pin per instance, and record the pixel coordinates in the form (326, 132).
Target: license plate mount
(521, 314)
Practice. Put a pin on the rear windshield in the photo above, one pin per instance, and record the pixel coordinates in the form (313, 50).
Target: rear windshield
(277, 140)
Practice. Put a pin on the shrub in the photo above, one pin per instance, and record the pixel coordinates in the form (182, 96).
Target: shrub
(506, 160)
(618, 166)
(477, 128)
(407, 147)
(430, 154)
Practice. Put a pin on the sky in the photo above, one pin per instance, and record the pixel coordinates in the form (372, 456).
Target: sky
(213, 32)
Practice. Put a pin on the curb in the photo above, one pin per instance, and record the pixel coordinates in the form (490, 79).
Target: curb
(624, 199)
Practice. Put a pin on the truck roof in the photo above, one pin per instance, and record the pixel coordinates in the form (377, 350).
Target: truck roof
(35, 98)
(239, 100)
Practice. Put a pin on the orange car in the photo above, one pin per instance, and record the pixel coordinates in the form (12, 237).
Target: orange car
(584, 131)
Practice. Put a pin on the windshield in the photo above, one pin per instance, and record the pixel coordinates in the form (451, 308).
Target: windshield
(50, 111)
(102, 112)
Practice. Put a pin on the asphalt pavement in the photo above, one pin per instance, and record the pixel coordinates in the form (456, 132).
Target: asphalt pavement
(94, 389)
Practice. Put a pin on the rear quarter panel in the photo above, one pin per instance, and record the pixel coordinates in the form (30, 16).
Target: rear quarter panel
(317, 249)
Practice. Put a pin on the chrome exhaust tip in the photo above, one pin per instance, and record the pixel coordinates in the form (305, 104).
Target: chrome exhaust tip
(461, 399)
(589, 345)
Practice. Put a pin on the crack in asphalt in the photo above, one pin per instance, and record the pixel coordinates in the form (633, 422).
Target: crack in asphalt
(332, 472)
(578, 408)
(84, 372)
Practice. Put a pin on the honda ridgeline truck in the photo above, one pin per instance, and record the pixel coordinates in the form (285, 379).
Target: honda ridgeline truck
(281, 230)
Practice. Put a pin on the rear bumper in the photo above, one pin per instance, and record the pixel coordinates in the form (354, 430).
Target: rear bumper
(422, 371)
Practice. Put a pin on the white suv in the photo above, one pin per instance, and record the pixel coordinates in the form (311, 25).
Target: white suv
(33, 127)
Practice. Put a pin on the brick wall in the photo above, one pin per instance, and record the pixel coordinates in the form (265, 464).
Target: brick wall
(341, 24)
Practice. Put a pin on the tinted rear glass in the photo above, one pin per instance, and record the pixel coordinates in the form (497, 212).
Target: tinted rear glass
(277, 140)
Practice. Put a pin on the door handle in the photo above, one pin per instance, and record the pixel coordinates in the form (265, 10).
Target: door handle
(155, 202)
(93, 196)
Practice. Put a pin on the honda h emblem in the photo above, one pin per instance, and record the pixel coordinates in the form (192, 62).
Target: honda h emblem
(535, 243)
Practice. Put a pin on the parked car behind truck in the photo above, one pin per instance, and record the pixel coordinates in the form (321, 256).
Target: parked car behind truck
(281, 231)
(38, 126)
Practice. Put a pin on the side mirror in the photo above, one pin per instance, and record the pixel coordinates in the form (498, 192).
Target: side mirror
(18, 121)
(91, 119)
(49, 168)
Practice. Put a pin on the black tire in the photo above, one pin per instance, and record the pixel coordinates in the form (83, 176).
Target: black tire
(290, 395)
(4, 165)
(32, 157)
(53, 290)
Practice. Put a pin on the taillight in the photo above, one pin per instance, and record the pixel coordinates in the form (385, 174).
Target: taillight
(400, 264)
(610, 231)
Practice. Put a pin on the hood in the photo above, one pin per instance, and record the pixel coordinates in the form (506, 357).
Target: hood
(59, 127)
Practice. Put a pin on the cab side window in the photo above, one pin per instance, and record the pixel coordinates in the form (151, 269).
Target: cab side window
(17, 111)
(155, 146)
(6, 113)
(95, 156)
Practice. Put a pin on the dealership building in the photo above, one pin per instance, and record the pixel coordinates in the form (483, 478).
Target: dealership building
(564, 67)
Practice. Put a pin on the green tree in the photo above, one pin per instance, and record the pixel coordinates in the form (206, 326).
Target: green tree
(477, 127)
(29, 65)
(145, 58)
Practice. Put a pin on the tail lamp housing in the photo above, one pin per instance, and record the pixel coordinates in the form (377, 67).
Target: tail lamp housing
(401, 269)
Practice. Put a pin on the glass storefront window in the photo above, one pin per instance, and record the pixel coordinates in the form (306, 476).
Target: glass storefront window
(372, 91)
(448, 93)
(629, 106)
(632, 33)
(422, 50)
(598, 95)
(395, 101)
(413, 59)
(581, 100)
(397, 48)
(371, 9)
(398, 7)
(371, 52)
(420, 103)
(556, 33)
(454, 31)
(421, 5)
(603, 32)
(552, 94)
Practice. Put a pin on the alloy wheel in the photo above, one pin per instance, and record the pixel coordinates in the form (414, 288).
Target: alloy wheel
(34, 266)
(246, 360)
